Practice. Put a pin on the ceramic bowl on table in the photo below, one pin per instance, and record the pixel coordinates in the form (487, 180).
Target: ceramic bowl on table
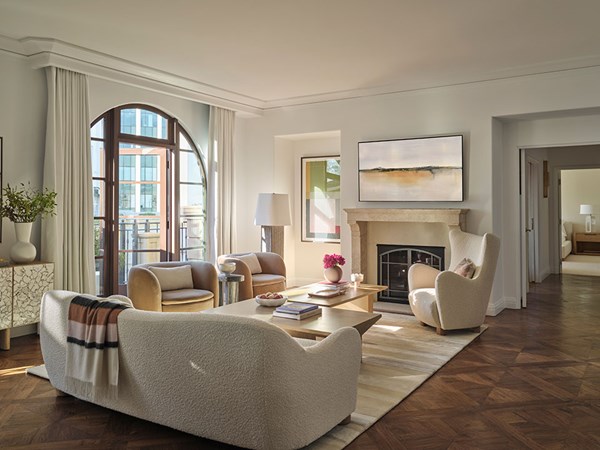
(274, 300)
(227, 267)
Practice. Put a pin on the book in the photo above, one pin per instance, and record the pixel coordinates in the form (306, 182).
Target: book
(311, 313)
(296, 308)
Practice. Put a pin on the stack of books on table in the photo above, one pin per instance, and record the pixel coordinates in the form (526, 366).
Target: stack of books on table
(297, 311)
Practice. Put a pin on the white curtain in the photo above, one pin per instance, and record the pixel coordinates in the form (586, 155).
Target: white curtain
(68, 237)
(220, 192)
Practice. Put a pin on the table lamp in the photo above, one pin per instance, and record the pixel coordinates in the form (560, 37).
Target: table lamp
(588, 211)
(272, 214)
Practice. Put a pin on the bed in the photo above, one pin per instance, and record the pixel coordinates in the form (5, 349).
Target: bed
(567, 244)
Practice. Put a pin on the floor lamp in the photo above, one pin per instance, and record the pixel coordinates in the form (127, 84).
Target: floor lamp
(272, 214)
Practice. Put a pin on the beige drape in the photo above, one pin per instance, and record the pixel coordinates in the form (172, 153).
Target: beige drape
(68, 238)
(221, 203)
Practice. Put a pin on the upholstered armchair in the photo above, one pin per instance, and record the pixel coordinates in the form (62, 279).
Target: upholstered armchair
(262, 271)
(174, 286)
(448, 300)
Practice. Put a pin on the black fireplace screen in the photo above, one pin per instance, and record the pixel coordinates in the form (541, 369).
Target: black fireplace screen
(394, 262)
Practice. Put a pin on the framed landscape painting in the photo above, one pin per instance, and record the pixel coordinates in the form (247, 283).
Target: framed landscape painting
(411, 170)
(321, 212)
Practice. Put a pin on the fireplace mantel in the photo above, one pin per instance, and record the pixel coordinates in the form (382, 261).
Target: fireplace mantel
(358, 218)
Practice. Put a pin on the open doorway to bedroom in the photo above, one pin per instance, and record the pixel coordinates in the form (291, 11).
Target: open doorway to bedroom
(580, 231)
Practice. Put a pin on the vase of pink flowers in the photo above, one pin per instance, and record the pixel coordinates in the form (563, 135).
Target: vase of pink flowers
(332, 264)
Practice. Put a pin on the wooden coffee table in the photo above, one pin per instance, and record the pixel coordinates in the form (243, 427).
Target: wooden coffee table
(357, 299)
(330, 320)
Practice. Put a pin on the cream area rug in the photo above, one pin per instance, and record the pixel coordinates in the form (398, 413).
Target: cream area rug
(38, 371)
(581, 265)
(399, 354)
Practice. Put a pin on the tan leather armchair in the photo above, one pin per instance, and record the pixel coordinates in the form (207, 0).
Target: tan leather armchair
(448, 301)
(172, 287)
(269, 276)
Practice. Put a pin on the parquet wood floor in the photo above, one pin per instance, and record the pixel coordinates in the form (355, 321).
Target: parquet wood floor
(532, 380)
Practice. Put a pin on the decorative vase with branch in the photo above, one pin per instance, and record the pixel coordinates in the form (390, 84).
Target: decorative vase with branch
(23, 205)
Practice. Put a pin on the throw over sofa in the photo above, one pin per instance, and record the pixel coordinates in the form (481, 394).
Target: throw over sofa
(233, 379)
(448, 301)
(266, 275)
(174, 286)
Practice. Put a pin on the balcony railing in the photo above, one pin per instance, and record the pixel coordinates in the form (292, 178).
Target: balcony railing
(140, 243)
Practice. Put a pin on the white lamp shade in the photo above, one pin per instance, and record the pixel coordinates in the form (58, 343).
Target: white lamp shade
(273, 210)
(586, 209)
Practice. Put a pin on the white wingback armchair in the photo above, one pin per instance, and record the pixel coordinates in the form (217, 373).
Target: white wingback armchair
(448, 301)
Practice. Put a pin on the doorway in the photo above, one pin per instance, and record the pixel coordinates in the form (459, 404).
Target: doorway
(530, 234)
(579, 192)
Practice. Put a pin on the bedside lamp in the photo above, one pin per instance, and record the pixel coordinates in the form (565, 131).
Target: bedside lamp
(272, 214)
(588, 211)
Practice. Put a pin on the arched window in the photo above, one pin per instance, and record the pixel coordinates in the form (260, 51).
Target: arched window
(149, 185)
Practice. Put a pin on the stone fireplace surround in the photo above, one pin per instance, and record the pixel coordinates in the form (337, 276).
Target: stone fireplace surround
(359, 219)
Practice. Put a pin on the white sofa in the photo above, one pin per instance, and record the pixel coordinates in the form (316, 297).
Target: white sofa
(236, 380)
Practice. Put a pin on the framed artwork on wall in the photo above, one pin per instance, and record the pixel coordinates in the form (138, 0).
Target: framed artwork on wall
(321, 213)
(426, 169)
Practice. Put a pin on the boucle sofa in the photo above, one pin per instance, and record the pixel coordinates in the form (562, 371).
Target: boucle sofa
(236, 380)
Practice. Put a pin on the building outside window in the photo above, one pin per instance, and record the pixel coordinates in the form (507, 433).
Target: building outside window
(127, 167)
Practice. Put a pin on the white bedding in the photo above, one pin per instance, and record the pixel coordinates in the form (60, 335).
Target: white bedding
(567, 245)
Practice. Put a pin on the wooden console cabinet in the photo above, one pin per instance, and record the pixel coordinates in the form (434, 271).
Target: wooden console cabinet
(586, 244)
(21, 290)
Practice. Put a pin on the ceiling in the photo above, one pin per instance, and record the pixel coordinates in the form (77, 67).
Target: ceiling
(282, 52)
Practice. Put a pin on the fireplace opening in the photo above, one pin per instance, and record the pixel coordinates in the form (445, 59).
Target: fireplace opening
(393, 262)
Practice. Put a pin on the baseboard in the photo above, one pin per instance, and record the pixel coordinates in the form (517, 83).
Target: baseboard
(545, 274)
(497, 306)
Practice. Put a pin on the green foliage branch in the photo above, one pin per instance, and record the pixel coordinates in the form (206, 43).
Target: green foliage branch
(23, 204)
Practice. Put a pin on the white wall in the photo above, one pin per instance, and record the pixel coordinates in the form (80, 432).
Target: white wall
(579, 187)
(23, 127)
(304, 260)
(491, 147)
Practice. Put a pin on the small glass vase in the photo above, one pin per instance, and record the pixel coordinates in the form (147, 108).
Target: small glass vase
(333, 274)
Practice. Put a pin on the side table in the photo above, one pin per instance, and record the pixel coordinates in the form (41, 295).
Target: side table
(586, 244)
(229, 287)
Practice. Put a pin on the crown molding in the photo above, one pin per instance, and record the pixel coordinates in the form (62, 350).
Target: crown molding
(43, 52)
(547, 69)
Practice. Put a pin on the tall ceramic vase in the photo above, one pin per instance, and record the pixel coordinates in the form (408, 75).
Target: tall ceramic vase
(23, 251)
(333, 274)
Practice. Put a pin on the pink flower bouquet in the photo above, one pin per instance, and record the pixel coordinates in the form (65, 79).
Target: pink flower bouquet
(333, 260)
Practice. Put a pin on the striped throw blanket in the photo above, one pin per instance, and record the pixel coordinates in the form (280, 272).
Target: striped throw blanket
(92, 364)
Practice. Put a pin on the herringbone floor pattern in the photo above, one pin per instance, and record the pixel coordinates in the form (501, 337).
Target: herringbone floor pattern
(532, 380)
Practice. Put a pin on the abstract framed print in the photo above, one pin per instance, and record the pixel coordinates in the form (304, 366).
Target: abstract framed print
(321, 212)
